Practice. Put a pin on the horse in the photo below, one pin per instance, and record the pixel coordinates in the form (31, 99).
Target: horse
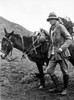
(35, 48)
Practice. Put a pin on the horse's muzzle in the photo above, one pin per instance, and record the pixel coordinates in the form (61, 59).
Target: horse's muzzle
(2, 55)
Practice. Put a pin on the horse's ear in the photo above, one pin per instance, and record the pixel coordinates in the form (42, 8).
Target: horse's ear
(8, 34)
(5, 31)
(11, 33)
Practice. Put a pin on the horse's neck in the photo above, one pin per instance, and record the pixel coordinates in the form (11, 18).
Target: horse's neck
(17, 42)
(22, 43)
(18, 45)
(27, 42)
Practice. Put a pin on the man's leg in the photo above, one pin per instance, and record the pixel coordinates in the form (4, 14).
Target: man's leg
(50, 70)
(64, 69)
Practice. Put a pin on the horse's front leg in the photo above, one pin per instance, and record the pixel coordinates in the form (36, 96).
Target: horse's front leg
(41, 74)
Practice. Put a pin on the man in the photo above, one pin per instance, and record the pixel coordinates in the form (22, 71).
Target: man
(61, 40)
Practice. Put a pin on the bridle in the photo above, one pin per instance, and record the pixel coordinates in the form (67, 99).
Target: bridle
(8, 41)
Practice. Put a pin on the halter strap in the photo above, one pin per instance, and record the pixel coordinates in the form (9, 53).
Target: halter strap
(9, 41)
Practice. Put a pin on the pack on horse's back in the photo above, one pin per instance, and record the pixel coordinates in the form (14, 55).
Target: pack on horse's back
(68, 24)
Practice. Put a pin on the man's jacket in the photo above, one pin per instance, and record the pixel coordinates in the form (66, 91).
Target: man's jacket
(60, 39)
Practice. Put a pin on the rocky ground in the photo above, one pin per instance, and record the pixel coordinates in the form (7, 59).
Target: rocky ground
(18, 82)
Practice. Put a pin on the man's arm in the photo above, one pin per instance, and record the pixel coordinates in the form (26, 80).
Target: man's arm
(67, 36)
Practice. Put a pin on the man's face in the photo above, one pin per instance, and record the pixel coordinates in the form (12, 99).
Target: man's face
(52, 21)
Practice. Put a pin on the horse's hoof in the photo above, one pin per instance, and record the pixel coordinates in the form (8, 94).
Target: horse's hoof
(41, 87)
(37, 75)
(64, 92)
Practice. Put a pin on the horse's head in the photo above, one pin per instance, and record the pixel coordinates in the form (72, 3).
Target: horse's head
(6, 44)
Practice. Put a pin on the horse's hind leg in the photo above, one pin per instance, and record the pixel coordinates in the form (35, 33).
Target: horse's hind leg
(41, 74)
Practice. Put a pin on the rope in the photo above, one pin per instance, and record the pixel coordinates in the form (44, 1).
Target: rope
(34, 47)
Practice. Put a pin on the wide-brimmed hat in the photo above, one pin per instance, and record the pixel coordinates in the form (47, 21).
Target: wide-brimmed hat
(52, 16)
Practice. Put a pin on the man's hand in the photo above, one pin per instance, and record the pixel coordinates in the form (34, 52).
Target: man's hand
(59, 50)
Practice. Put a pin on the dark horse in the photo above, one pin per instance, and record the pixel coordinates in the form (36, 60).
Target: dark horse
(30, 45)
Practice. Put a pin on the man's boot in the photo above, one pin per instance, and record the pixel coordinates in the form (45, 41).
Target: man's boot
(56, 82)
(66, 81)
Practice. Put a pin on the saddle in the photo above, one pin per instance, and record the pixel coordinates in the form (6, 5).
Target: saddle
(41, 40)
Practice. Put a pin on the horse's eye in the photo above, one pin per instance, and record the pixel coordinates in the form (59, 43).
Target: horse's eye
(4, 42)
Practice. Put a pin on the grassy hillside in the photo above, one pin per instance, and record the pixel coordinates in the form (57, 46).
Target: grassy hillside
(10, 26)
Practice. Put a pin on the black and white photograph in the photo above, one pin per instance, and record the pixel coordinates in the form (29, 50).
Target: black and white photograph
(36, 50)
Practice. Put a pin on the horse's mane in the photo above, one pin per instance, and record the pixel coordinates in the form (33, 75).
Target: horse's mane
(17, 36)
(68, 24)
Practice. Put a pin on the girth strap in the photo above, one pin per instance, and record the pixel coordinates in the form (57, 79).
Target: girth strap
(34, 45)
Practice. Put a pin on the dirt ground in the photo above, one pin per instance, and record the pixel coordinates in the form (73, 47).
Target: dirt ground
(18, 82)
